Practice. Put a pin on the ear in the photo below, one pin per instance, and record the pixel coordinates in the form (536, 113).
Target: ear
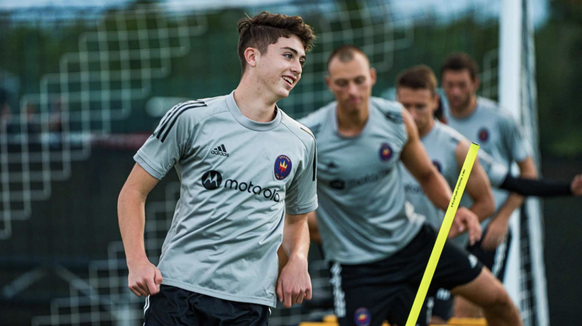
(435, 102)
(328, 81)
(251, 56)
(373, 75)
(477, 83)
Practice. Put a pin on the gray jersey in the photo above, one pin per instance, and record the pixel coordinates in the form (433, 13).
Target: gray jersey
(238, 177)
(441, 143)
(362, 216)
(497, 134)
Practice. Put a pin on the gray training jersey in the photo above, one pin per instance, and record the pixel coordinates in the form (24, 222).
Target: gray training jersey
(238, 178)
(362, 216)
(441, 143)
(497, 134)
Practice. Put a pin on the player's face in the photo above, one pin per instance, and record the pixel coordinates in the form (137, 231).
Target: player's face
(351, 82)
(279, 69)
(459, 88)
(421, 103)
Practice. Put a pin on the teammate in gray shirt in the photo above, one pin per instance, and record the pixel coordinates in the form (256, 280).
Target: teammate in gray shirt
(417, 91)
(377, 245)
(483, 122)
(248, 180)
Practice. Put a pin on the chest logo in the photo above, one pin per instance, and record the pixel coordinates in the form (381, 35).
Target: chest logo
(385, 152)
(483, 134)
(282, 167)
(211, 180)
(220, 150)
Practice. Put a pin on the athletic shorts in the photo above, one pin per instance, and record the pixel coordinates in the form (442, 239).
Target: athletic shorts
(367, 294)
(495, 260)
(175, 306)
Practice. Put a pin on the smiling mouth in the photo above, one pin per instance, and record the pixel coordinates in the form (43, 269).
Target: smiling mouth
(288, 80)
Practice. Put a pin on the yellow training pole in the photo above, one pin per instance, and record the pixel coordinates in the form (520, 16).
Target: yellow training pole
(442, 236)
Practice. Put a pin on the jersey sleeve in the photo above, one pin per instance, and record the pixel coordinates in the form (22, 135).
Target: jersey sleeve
(169, 142)
(301, 196)
(517, 146)
(496, 171)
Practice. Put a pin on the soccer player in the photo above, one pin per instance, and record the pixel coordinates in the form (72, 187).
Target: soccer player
(248, 180)
(482, 121)
(378, 246)
(417, 92)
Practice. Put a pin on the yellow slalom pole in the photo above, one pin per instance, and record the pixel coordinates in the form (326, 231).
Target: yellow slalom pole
(442, 236)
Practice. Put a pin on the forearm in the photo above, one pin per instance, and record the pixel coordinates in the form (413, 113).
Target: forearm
(131, 218)
(296, 237)
(481, 209)
(513, 201)
(437, 190)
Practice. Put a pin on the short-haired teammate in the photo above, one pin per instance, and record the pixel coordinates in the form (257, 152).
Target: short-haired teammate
(378, 246)
(482, 121)
(416, 89)
(248, 180)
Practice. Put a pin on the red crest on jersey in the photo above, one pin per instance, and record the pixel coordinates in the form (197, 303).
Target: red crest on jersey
(282, 167)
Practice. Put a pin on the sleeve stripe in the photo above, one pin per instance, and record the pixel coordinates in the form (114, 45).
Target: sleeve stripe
(173, 119)
(174, 112)
(314, 153)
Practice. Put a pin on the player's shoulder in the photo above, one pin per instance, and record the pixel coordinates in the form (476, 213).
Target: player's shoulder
(191, 113)
(298, 130)
(494, 110)
(449, 132)
(200, 109)
(318, 118)
(392, 110)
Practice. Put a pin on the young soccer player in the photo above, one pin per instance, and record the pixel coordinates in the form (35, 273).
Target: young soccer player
(378, 246)
(248, 180)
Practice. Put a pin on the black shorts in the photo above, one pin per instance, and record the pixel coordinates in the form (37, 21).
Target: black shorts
(368, 294)
(495, 260)
(175, 306)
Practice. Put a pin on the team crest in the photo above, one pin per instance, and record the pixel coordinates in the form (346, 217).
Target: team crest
(438, 166)
(362, 317)
(385, 152)
(483, 134)
(282, 167)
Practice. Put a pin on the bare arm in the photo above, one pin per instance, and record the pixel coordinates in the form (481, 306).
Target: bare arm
(144, 278)
(294, 283)
(478, 186)
(433, 184)
(417, 161)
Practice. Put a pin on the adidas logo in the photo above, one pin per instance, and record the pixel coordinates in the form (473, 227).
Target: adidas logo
(220, 150)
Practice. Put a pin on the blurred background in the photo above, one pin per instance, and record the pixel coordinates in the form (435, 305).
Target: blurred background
(82, 85)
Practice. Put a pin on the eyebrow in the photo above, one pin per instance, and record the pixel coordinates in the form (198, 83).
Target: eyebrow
(294, 51)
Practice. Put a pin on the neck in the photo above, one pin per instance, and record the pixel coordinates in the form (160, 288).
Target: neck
(422, 132)
(253, 102)
(465, 111)
(351, 122)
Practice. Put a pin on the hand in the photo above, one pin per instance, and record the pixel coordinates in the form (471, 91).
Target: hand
(495, 235)
(144, 278)
(576, 185)
(294, 283)
(466, 220)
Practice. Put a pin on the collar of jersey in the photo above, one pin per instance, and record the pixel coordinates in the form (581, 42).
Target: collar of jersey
(248, 123)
